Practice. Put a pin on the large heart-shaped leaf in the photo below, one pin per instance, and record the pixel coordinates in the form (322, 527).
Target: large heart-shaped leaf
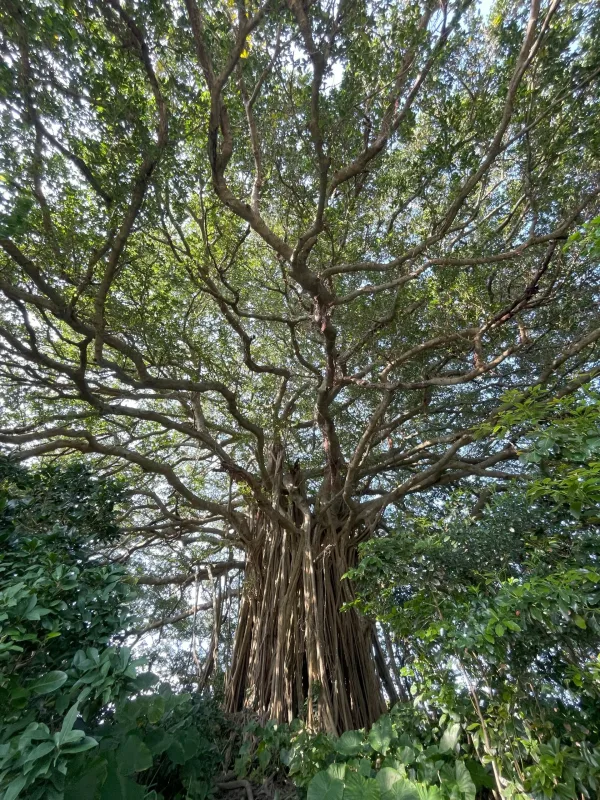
(145, 680)
(349, 743)
(324, 787)
(133, 756)
(399, 789)
(465, 781)
(381, 735)
(360, 788)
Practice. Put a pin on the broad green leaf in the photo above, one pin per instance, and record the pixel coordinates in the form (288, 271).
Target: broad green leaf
(337, 771)
(357, 787)
(465, 781)
(156, 709)
(324, 787)
(87, 743)
(176, 753)
(381, 735)
(450, 738)
(14, 788)
(49, 682)
(402, 789)
(145, 680)
(158, 741)
(479, 774)
(406, 754)
(68, 722)
(120, 787)
(87, 786)
(133, 756)
(41, 750)
(364, 767)
(264, 756)
(350, 743)
(425, 792)
(387, 777)
(184, 747)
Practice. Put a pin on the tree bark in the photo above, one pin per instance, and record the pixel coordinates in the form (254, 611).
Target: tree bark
(296, 654)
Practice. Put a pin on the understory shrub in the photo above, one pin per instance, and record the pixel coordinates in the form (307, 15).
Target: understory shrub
(398, 758)
(77, 718)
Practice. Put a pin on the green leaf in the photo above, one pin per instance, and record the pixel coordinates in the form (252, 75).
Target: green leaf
(185, 747)
(120, 787)
(156, 709)
(406, 754)
(158, 741)
(387, 777)
(401, 790)
(264, 757)
(87, 743)
(479, 774)
(40, 751)
(381, 735)
(87, 786)
(429, 792)
(324, 787)
(464, 780)
(145, 680)
(49, 682)
(580, 621)
(358, 787)
(450, 738)
(68, 722)
(133, 756)
(73, 736)
(364, 767)
(176, 753)
(14, 788)
(536, 614)
(337, 771)
(124, 657)
(350, 743)
(80, 660)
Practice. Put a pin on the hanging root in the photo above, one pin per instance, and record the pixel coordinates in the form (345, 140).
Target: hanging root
(296, 654)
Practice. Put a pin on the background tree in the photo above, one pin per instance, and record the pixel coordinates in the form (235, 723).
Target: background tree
(76, 721)
(496, 614)
(276, 263)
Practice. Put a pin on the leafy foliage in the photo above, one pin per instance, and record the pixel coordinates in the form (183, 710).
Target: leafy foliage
(54, 597)
(155, 745)
(77, 718)
(499, 616)
(394, 759)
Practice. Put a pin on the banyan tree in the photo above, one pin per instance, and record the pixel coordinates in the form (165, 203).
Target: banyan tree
(277, 262)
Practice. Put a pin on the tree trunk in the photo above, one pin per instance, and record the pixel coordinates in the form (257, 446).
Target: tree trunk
(296, 654)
